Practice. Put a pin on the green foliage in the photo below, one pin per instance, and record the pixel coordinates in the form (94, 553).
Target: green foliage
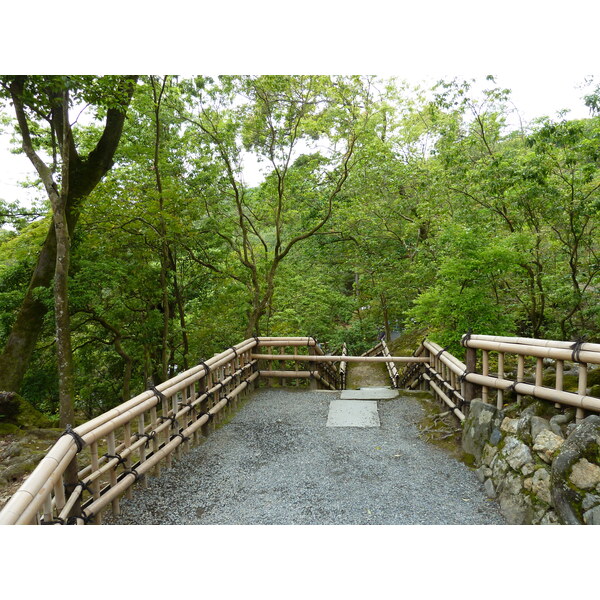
(378, 211)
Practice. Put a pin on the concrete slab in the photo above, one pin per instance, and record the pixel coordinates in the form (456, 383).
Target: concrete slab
(349, 413)
(375, 393)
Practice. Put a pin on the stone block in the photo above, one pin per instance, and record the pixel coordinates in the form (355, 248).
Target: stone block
(540, 485)
(589, 501)
(546, 445)
(509, 425)
(592, 517)
(538, 424)
(488, 486)
(516, 453)
(585, 475)
(488, 454)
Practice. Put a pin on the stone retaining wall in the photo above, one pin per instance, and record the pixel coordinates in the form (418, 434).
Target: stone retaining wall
(539, 466)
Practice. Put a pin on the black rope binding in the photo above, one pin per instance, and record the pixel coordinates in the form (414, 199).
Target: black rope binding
(183, 437)
(173, 420)
(205, 366)
(234, 350)
(512, 387)
(466, 338)
(56, 521)
(78, 439)
(148, 436)
(209, 415)
(463, 377)
(120, 459)
(72, 486)
(441, 352)
(576, 348)
(157, 392)
(132, 472)
(83, 516)
(256, 340)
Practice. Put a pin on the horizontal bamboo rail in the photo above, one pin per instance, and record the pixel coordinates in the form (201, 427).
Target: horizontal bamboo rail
(534, 342)
(344, 358)
(570, 353)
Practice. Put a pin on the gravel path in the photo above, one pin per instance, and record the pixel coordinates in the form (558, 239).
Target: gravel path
(277, 463)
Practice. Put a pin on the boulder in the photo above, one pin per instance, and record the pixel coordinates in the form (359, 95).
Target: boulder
(15, 411)
(582, 443)
(478, 427)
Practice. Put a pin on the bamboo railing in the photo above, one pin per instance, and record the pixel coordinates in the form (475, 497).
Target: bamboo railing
(457, 383)
(93, 465)
(126, 444)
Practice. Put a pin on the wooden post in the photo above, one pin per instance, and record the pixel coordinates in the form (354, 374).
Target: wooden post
(111, 446)
(471, 365)
(96, 483)
(539, 372)
(581, 389)
(560, 369)
(520, 372)
(141, 431)
(312, 367)
(127, 440)
(485, 370)
(500, 398)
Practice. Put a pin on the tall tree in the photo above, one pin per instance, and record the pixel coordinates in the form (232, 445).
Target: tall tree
(39, 105)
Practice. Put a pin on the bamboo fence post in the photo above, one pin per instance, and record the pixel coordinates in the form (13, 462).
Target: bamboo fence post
(141, 432)
(155, 441)
(500, 397)
(48, 513)
(581, 390)
(560, 369)
(471, 366)
(191, 398)
(127, 442)
(485, 370)
(59, 495)
(312, 367)
(95, 463)
(175, 424)
(539, 371)
(165, 416)
(111, 446)
(520, 372)
(282, 365)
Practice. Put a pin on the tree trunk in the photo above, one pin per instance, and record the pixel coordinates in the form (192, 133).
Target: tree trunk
(61, 289)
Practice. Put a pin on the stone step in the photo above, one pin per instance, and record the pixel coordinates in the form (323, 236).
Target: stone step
(349, 413)
(372, 393)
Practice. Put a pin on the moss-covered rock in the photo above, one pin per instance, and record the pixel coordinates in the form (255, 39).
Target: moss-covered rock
(15, 411)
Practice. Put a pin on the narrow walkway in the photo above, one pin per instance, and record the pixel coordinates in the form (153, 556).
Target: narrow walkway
(277, 462)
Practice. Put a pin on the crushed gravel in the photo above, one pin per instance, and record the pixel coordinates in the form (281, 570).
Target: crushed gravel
(277, 463)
